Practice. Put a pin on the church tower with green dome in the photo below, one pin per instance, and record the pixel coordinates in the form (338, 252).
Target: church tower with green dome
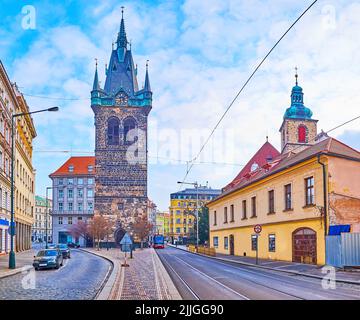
(298, 130)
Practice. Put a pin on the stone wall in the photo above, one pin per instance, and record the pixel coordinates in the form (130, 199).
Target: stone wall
(120, 180)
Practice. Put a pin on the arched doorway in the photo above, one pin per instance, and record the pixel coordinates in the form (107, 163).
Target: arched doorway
(304, 246)
(118, 235)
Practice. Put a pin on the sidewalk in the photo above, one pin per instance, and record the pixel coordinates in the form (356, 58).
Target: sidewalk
(144, 279)
(308, 270)
(24, 262)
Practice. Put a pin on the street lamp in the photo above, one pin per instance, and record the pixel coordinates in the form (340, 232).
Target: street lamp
(12, 261)
(46, 216)
(195, 184)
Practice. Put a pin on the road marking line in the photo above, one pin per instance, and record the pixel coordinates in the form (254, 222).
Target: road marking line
(218, 282)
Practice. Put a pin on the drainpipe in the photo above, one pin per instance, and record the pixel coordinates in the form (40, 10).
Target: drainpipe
(325, 193)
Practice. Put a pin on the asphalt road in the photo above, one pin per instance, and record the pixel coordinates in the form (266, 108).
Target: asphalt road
(199, 278)
(79, 279)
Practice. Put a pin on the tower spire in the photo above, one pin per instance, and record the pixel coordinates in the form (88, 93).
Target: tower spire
(296, 75)
(122, 40)
(147, 80)
(96, 86)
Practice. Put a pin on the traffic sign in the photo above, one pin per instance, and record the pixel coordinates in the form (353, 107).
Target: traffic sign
(126, 239)
(258, 228)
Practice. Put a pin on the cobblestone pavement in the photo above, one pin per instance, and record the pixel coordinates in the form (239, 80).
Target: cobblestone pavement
(144, 278)
(79, 279)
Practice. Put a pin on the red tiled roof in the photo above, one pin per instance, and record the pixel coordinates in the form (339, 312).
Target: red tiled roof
(80, 167)
(329, 146)
(260, 157)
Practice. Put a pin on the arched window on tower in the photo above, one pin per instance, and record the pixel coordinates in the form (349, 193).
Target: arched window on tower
(113, 131)
(302, 134)
(129, 124)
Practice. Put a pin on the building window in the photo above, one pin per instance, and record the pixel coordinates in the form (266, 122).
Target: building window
(60, 220)
(226, 243)
(90, 168)
(178, 220)
(70, 193)
(244, 214)
(70, 206)
(177, 230)
(309, 191)
(70, 181)
(79, 218)
(129, 124)
(253, 207)
(60, 181)
(232, 218)
(90, 193)
(113, 131)
(80, 181)
(80, 206)
(69, 220)
(90, 180)
(216, 242)
(215, 222)
(71, 168)
(254, 240)
(90, 206)
(302, 134)
(288, 200)
(61, 193)
(60, 206)
(80, 193)
(271, 201)
(225, 215)
(272, 243)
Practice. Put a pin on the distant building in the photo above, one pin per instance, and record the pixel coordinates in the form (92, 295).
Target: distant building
(13, 102)
(183, 210)
(162, 223)
(151, 216)
(298, 196)
(41, 216)
(73, 197)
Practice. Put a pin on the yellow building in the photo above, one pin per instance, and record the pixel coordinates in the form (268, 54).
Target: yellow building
(183, 210)
(288, 194)
(13, 102)
(163, 223)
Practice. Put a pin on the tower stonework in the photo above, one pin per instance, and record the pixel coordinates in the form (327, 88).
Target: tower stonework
(121, 112)
(298, 130)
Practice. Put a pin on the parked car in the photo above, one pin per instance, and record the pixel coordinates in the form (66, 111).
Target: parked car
(73, 245)
(51, 246)
(64, 250)
(48, 258)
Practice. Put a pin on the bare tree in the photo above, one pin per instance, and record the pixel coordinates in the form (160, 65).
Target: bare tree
(142, 228)
(98, 229)
(79, 229)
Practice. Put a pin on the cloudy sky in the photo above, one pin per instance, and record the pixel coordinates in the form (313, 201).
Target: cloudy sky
(200, 54)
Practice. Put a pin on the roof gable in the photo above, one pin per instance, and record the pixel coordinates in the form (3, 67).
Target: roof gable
(80, 166)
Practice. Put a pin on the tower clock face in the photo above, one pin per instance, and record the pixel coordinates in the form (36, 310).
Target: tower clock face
(121, 99)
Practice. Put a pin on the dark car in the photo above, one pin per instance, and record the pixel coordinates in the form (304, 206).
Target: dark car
(48, 258)
(73, 245)
(64, 250)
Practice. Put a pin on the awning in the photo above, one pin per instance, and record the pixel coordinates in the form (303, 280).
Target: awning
(337, 230)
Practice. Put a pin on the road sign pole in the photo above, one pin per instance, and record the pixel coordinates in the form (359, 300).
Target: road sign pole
(257, 249)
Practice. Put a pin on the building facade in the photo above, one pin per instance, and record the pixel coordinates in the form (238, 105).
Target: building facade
(13, 102)
(73, 187)
(42, 226)
(121, 118)
(162, 223)
(290, 195)
(151, 216)
(183, 210)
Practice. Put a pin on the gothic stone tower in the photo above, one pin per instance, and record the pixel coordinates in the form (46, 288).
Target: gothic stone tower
(121, 112)
(298, 130)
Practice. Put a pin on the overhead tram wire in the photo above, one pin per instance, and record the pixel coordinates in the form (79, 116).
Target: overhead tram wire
(243, 87)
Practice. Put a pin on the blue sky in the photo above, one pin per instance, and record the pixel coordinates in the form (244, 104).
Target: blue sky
(200, 53)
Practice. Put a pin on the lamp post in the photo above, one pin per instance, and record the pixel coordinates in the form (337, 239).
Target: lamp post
(46, 218)
(12, 260)
(195, 184)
